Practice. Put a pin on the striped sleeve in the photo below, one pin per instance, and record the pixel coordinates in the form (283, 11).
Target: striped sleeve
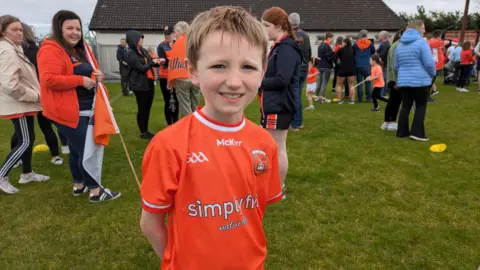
(275, 193)
(160, 173)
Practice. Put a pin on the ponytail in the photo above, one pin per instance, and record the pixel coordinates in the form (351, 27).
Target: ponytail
(291, 33)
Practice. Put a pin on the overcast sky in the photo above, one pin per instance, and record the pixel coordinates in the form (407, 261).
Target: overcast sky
(40, 12)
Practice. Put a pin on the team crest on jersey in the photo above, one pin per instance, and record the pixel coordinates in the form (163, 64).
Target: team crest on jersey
(260, 162)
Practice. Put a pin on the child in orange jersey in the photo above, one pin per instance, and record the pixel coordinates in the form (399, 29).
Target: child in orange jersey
(467, 59)
(214, 172)
(378, 81)
(311, 83)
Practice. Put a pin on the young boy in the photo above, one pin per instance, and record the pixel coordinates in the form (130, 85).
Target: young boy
(214, 172)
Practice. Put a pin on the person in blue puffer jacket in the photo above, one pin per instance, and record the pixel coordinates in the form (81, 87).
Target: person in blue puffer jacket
(415, 68)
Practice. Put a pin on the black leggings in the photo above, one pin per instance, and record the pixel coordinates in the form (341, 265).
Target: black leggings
(376, 96)
(24, 129)
(171, 114)
(50, 136)
(464, 73)
(393, 105)
(144, 104)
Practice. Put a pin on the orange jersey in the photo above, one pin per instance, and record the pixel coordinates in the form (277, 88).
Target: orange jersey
(176, 64)
(215, 181)
(437, 46)
(466, 57)
(312, 74)
(377, 71)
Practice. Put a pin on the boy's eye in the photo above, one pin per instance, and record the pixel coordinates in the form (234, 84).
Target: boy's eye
(219, 66)
(249, 67)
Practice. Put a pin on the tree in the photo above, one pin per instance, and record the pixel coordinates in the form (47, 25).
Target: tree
(440, 20)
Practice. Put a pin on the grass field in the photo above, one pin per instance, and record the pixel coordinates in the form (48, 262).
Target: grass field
(359, 198)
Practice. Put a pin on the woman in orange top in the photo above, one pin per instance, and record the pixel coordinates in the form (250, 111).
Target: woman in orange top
(19, 101)
(466, 61)
(67, 95)
(378, 81)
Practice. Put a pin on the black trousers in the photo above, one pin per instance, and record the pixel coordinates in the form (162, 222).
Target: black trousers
(376, 96)
(171, 114)
(47, 130)
(419, 95)
(464, 73)
(144, 104)
(124, 71)
(25, 131)
(393, 104)
(457, 72)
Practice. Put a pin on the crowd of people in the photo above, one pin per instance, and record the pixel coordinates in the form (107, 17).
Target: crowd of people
(213, 171)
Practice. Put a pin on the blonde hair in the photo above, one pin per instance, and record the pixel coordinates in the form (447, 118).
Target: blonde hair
(181, 27)
(232, 19)
(416, 24)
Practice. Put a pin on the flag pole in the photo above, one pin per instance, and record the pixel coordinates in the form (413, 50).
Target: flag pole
(89, 51)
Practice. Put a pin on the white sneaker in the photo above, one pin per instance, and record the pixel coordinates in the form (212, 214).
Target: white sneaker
(18, 164)
(35, 177)
(57, 160)
(385, 125)
(310, 108)
(7, 187)
(463, 90)
(326, 100)
(65, 150)
(392, 126)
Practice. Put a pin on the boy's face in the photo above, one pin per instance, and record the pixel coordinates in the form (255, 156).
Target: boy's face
(229, 72)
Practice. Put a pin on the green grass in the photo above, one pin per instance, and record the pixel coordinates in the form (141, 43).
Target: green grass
(359, 198)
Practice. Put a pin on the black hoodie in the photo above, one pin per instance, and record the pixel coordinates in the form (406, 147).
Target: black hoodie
(281, 78)
(139, 62)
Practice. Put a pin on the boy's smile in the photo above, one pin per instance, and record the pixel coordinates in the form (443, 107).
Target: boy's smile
(229, 72)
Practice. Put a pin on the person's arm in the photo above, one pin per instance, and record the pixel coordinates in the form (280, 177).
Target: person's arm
(133, 62)
(119, 55)
(309, 46)
(160, 170)
(10, 81)
(162, 54)
(372, 48)
(427, 59)
(396, 64)
(477, 49)
(51, 69)
(285, 69)
(275, 192)
(154, 228)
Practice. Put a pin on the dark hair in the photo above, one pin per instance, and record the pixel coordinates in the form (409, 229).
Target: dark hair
(467, 45)
(314, 61)
(398, 35)
(376, 59)
(339, 40)
(348, 43)
(57, 22)
(437, 33)
(328, 35)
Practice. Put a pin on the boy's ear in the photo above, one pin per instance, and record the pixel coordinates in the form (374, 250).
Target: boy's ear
(192, 72)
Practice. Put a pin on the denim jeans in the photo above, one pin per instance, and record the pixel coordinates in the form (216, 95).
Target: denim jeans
(298, 116)
(76, 142)
(362, 74)
(324, 76)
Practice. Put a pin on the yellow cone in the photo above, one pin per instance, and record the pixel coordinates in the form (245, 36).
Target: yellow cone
(438, 148)
(40, 148)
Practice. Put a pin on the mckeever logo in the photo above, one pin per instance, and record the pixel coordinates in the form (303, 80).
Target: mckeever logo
(228, 142)
(197, 158)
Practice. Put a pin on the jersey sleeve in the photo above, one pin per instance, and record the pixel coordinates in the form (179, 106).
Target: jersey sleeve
(160, 172)
(275, 193)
